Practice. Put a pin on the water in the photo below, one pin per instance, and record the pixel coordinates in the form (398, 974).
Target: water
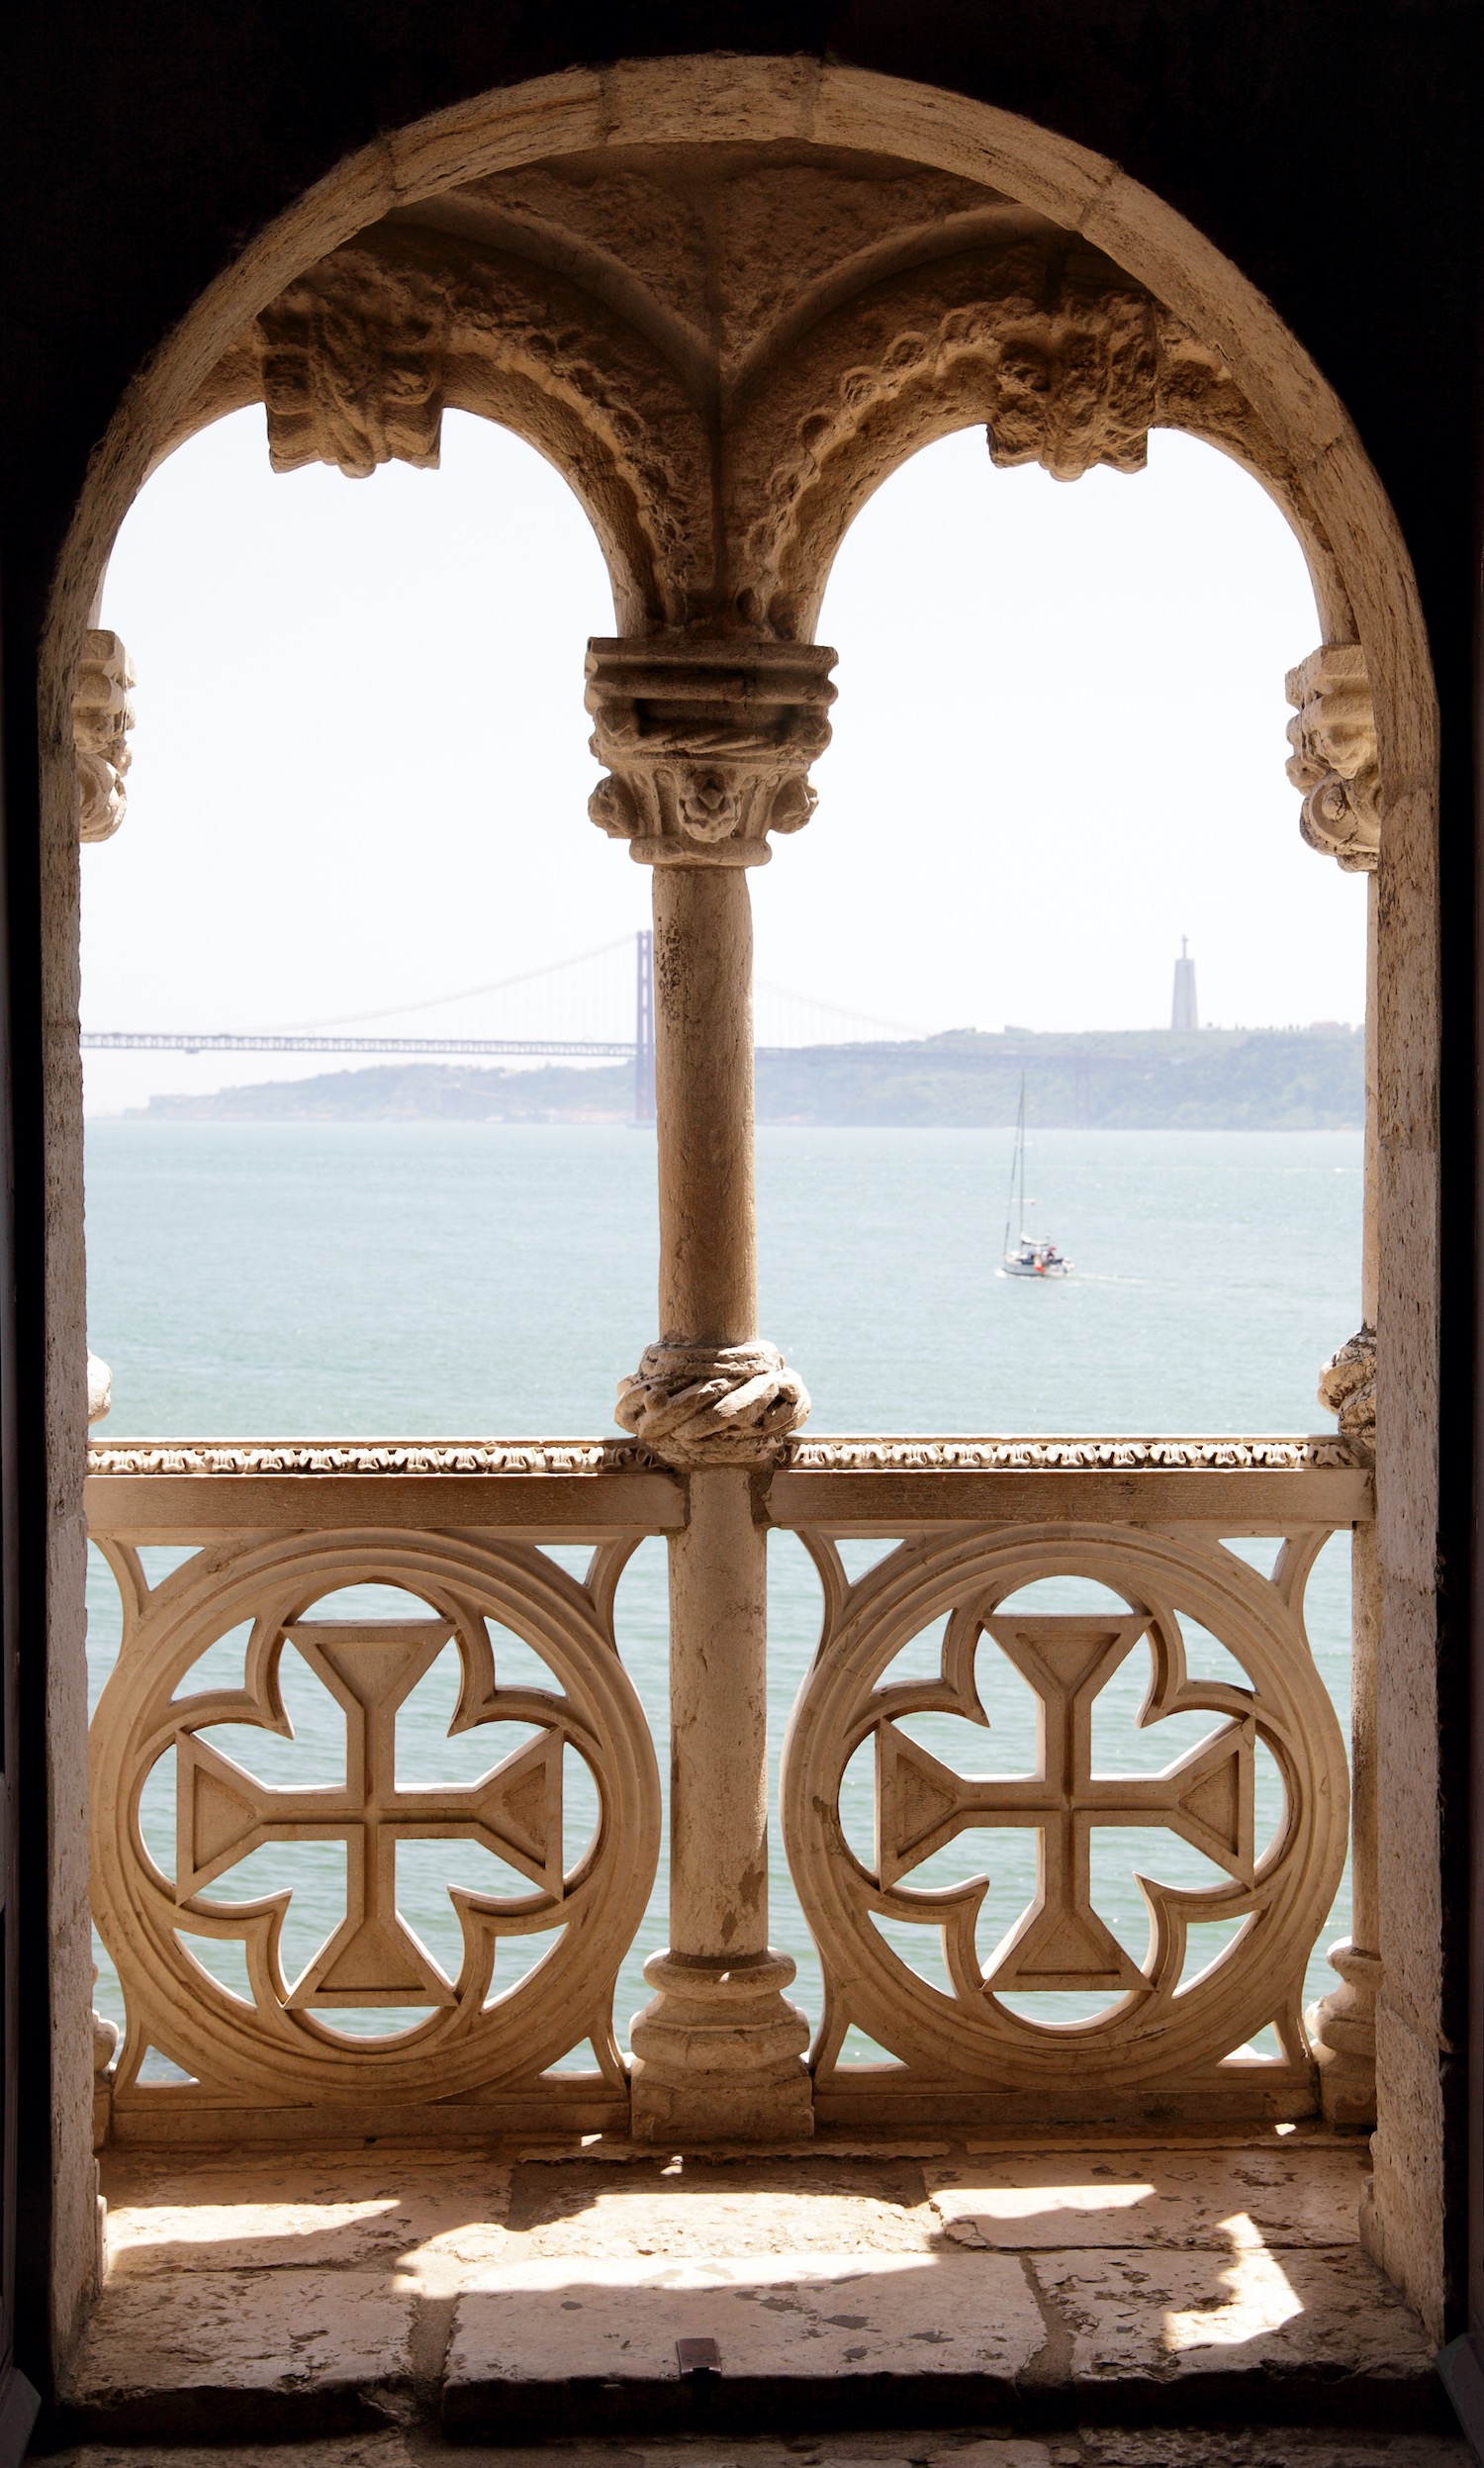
(436, 1280)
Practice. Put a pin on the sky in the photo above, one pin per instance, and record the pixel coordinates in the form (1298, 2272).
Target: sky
(360, 767)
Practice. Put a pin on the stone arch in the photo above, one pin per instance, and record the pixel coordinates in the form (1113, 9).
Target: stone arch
(1224, 364)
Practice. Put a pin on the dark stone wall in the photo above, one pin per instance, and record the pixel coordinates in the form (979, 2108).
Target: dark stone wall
(1329, 146)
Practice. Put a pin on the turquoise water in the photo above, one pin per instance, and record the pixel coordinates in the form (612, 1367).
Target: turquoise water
(434, 1279)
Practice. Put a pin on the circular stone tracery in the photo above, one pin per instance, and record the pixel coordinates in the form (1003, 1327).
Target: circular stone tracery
(276, 2049)
(1156, 2028)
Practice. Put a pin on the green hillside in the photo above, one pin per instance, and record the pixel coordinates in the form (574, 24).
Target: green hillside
(1216, 1079)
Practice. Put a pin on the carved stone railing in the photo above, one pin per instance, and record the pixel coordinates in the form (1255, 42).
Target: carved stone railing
(276, 1533)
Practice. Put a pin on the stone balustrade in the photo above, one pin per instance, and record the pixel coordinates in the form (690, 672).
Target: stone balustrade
(279, 1539)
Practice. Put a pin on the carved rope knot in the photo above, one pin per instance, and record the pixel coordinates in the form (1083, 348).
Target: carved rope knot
(709, 741)
(697, 1406)
(1347, 1390)
(1334, 764)
(102, 716)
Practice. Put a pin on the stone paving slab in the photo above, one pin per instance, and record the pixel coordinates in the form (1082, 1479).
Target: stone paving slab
(717, 2209)
(1167, 2199)
(261, 2352)
(1154, 2319)
(358, 2210)
(549, 2345)
(1263, 2446)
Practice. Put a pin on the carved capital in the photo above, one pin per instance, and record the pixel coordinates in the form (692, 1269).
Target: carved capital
(1347, 1391)
(1332, 734)
(352, 374)
(102, 716)
(710, 1405)
(707, 743)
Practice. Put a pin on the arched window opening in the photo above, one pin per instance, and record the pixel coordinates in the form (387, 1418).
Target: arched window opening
(1087, 769)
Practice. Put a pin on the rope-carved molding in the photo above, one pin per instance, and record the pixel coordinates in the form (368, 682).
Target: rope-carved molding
(1072, 1456)
(857, 1454)
(1334, 764)
(102, 716)
(701, 1405)
(708, 744)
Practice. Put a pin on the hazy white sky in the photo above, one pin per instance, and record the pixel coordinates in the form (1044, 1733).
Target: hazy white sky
(360, 768)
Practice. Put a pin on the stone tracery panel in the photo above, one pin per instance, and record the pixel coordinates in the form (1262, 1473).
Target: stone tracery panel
(1161, 2033)
(478, 2038)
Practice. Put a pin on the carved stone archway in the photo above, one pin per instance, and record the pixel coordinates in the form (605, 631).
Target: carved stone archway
(877, 264)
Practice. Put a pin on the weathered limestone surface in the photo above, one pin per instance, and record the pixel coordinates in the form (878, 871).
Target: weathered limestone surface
(1089, 2446)
(1265, 2317)
(533, 2339)
(542, 2290)
(295, 2348)
(1173, 2198)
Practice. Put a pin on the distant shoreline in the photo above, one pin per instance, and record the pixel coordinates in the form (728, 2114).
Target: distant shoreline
(1212, 1080)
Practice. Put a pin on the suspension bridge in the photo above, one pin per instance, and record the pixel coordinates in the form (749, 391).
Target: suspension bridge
(360, 1035)
(603, 991)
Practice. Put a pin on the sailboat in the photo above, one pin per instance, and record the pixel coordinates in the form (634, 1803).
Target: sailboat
(1033, 1255)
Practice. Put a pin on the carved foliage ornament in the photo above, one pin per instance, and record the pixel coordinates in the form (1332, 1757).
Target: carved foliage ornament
(1075, 381)
(1334, 765)
(102, 716)
(708, 743)
(352, 374)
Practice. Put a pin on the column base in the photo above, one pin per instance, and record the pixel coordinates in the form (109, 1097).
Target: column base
(720, 2053)
(1342, 2030)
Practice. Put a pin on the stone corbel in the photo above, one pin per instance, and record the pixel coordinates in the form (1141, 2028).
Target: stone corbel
(1076, 382)
(352, 374)
(102, 716)
(707, 743)
(1347, 1391)
(1332, 734)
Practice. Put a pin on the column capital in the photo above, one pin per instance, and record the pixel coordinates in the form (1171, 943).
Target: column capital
(1334, 764)
(708, 740)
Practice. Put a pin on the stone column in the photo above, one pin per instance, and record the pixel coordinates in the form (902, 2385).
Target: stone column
(709, 743)
(1334, 764)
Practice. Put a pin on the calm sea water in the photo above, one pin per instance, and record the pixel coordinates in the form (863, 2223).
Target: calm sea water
(433, 1279)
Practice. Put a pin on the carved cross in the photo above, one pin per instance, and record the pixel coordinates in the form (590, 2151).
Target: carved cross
(1059, 1942)
(370, 1667)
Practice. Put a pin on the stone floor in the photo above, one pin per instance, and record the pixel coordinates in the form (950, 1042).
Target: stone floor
(1082, 2306)
(1274, 2446)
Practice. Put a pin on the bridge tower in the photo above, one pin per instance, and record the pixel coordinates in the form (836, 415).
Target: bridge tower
(644, 1026)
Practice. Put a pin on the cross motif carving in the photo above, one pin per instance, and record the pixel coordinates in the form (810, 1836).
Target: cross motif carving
(370, 1667)
(1059, 1942)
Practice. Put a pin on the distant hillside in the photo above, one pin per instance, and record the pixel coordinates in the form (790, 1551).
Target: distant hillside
(1216, 1079)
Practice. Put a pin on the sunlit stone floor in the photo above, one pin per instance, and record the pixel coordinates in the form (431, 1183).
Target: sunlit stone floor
(407, 2302)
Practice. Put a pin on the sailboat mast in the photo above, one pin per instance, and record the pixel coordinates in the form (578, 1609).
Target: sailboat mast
(1017, 1165)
